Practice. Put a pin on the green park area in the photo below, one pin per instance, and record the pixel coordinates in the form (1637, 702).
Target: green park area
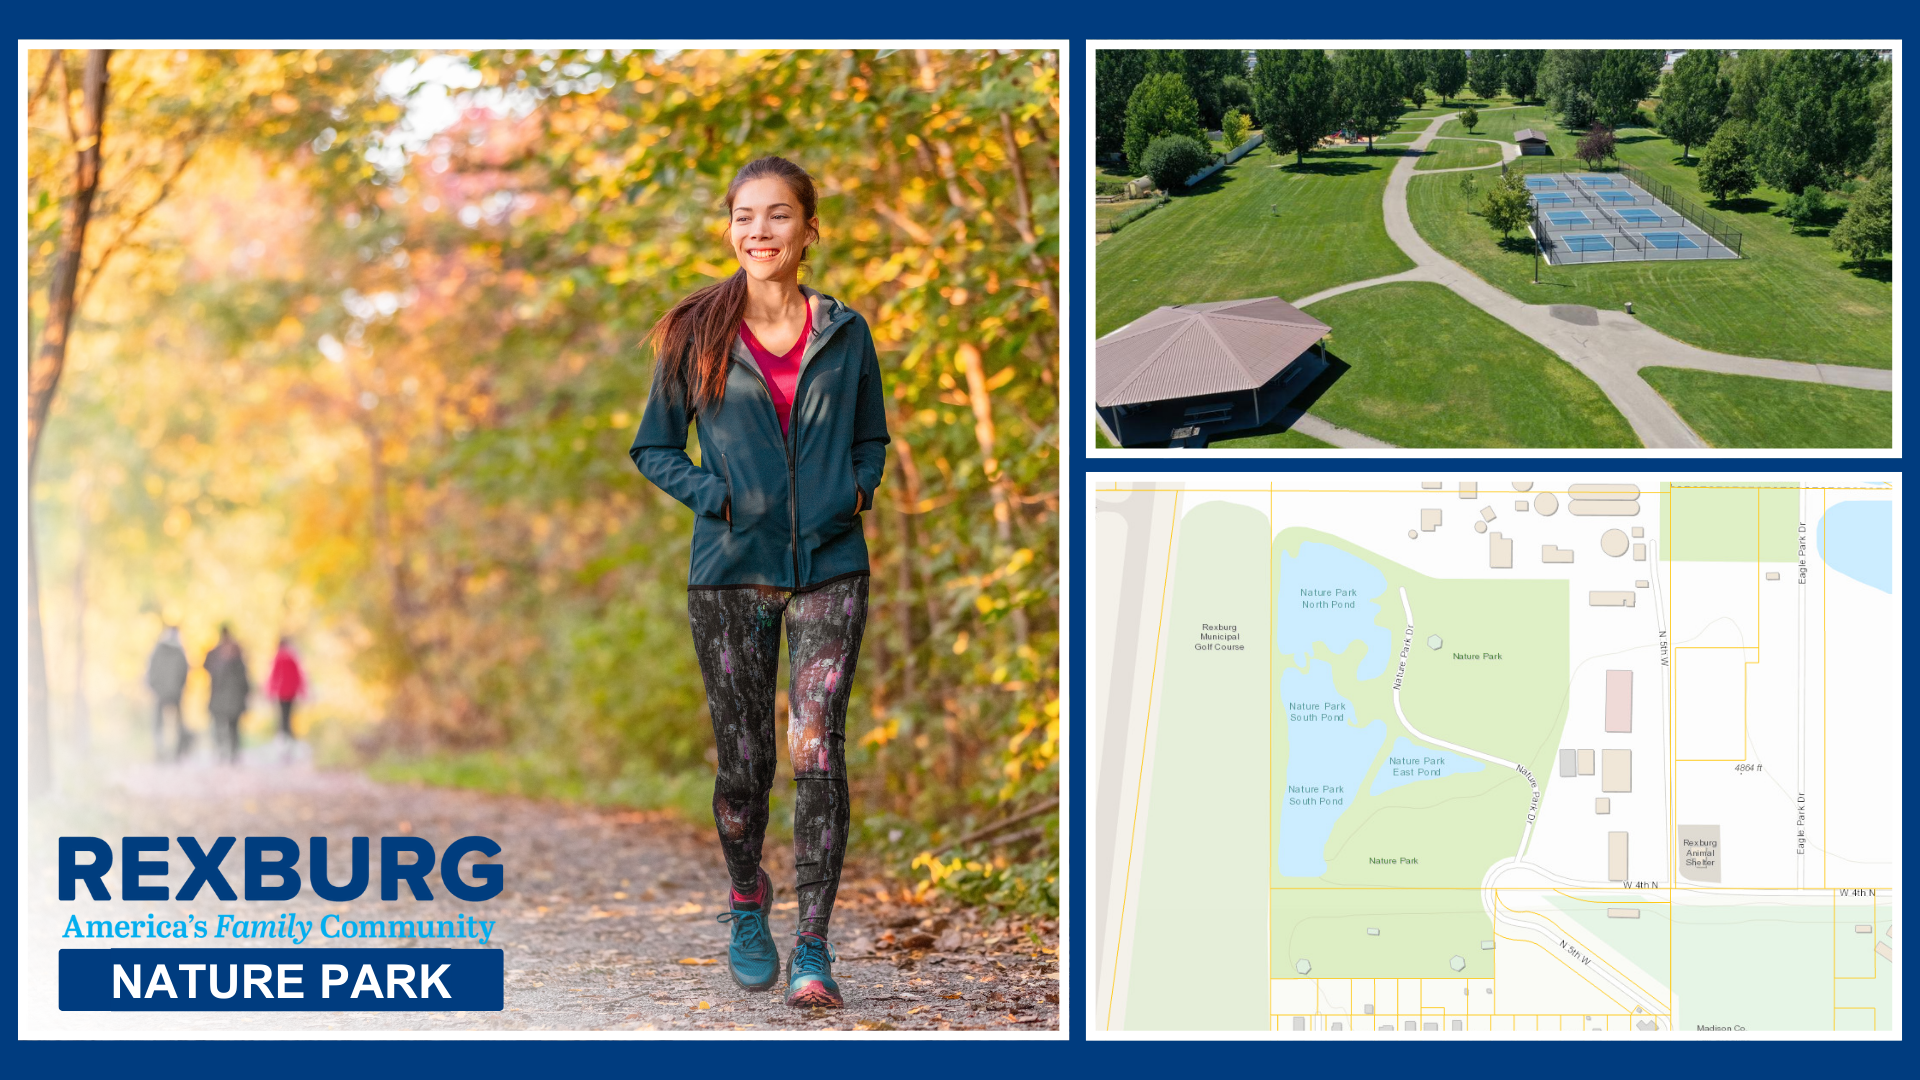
(1709, 522)
(1735, 138)
(1502, 653)
(1497, 387)
(1264, 226)
(1413, 828)
(1790, 296)
(1458, 153)
(1380, 934)
(1748, 411)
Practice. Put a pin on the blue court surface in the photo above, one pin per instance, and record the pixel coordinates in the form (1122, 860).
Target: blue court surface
(1638, 214)
(1587, 242)
(1613, 196)
(1567, 217)
(1538, 182)
(1671, 240)
(1596, 181)
(1553, 198)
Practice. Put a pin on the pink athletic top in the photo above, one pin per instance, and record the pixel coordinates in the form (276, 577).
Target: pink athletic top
(782, 372)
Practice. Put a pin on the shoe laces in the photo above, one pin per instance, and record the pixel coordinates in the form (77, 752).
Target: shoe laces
(811, 955)
(749, 926)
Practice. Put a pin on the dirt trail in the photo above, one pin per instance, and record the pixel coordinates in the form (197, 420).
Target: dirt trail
(599, 911)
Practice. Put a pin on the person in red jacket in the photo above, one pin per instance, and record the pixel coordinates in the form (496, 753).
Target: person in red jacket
(285, 684)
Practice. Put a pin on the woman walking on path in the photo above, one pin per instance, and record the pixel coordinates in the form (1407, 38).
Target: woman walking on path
(785, 384)
(227, 669)
(285, 683)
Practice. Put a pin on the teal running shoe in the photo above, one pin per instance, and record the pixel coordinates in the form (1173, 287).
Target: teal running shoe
(751, 955)
(810, 974)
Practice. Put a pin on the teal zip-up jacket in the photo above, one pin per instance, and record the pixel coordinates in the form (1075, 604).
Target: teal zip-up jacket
(795, 520)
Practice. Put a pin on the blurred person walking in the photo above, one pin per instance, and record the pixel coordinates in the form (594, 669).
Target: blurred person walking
(167, 677)
(785, 385)
(228, 670)
(285, 684)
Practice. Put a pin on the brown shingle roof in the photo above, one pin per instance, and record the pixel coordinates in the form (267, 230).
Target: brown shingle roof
(1188, 350)
(1525, 134)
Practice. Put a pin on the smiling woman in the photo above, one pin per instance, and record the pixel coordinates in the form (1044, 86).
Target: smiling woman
(793, 435)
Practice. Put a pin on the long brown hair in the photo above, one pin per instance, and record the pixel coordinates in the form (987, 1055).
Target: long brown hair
(691, 341)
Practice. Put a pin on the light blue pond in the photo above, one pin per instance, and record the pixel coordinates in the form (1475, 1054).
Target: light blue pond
(1328, 595)
(1327, 757)
(1861, 546)
(1410, 763)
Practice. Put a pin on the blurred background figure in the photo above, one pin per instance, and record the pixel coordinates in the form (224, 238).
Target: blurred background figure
(228, 670)
(285, 684)
(167, 678)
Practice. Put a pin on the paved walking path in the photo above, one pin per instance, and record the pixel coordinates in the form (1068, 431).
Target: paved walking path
(1609, 347)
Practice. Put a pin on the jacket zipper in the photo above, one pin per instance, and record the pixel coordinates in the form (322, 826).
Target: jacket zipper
(787, 445)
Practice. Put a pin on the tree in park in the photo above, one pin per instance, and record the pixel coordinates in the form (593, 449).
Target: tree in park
(1412, 66)
(1469, 118)
(1369, 92)
(1206, 72)
(1293, 91)
(1508, 206)
(1565, 80)
(1522, 72)
(1115, 74)
(1171, 159)
(1865, 232)
(1486, 73)
(1161, 105)
(1235, 127)
(1816, 123)
(1748, 75)
(1622, 79)
(1726, 165)
(1447, 72)
(1693, 100)
(1236, 92)
(1469, 186)
(1596, 146)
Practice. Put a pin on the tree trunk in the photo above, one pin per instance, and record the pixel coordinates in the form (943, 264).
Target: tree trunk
(43, 379)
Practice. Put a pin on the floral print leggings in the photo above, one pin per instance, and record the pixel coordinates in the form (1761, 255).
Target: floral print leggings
(736, 633)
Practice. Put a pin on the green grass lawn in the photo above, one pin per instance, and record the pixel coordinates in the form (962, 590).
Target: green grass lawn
(1225, 242)
(1428, 369)
(1502, 125)
(1285, 440)
(1458, 154)
(1107, 211)
(1746, 411)
(1434, 108)
(1789, 299)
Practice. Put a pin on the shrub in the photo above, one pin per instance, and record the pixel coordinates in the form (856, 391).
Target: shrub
(1170, 159)
(1110, 187)
(1235, 127)
(1805, 208)
(1596, 146)
(1865, 232)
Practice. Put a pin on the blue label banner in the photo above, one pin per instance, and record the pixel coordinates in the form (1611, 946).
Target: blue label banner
(282, 980)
